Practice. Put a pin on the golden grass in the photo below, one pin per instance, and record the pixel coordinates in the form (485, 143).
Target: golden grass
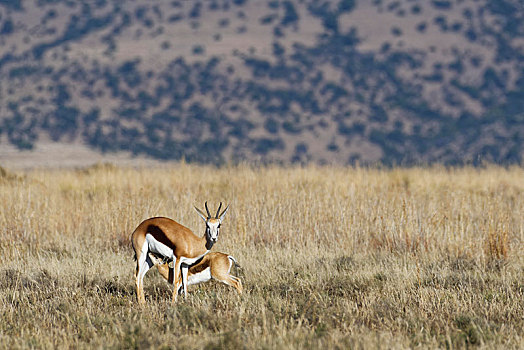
(332, 258)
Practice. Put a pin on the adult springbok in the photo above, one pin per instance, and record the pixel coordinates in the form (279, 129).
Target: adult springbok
(171, 241)
(214, 265)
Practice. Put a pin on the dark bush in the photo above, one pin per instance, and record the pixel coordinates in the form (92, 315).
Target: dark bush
(442, 4)
(265, 145)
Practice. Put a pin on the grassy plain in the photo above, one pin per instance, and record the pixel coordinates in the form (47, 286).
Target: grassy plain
(332, 258)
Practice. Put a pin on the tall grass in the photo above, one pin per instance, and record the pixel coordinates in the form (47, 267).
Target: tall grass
(332, 258)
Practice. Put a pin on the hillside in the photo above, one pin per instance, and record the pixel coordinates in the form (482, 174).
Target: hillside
(399, 82)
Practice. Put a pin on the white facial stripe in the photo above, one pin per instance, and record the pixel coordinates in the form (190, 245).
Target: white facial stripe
(213, 228)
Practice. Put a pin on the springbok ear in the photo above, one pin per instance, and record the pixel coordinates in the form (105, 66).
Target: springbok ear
(201, 214)
(223, 214)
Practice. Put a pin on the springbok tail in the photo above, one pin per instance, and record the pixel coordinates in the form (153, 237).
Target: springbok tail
(132, 245)
(233, 260)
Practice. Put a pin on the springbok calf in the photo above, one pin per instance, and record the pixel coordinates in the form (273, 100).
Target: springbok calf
(213, 265)
(171, 241)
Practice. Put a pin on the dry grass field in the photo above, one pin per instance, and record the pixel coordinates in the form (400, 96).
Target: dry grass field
(331, 258)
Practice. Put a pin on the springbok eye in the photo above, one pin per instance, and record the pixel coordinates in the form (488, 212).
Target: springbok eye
(218, 226)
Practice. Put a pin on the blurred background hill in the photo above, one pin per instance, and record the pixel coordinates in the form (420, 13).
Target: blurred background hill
(396, 82)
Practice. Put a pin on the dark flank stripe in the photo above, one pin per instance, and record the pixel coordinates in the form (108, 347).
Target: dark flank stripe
(160, 236)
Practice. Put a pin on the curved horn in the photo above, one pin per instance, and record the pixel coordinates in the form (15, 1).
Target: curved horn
(208, 215)
(218, 211)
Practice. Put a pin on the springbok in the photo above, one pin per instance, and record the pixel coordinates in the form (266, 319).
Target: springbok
(172, 241)
(214, 265)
